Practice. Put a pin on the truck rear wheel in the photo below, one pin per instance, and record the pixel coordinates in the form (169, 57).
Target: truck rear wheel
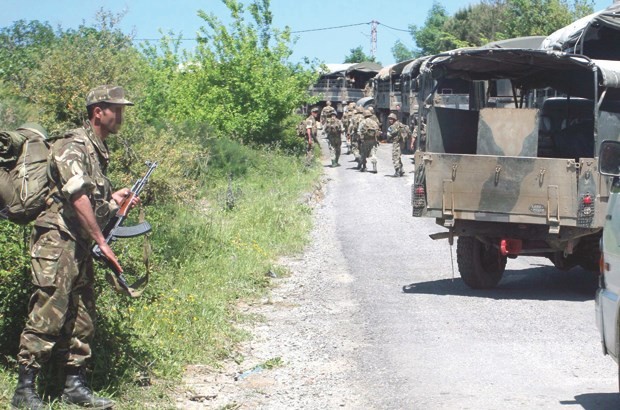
(481, 266)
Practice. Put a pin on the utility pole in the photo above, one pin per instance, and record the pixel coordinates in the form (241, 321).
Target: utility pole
(373, 38)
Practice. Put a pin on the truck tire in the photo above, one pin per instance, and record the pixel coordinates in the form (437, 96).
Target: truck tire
(481, 266)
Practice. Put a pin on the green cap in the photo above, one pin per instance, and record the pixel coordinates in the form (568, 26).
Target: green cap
(107, 93)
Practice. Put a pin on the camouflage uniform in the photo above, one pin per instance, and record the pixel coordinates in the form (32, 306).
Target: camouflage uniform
(354, 133)
(333, 129)
(368, 131)
(326, 112)
(62, 307)
(396, 134)
(311, 125)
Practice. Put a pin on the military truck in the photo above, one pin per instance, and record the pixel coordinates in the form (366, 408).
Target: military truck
(516, 173)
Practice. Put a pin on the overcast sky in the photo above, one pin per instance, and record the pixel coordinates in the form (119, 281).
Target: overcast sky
(147, 17)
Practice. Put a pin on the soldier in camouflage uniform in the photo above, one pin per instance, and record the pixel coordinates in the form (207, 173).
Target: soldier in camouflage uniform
(346, 122)
(311, 128)
(354, 124)
(369, 131)
(326, 112)
(396, 134)
(333, 129)
(80, 203)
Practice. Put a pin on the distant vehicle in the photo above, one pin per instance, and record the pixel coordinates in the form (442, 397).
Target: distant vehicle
(343, 83)
(608, 294)
(516, 173)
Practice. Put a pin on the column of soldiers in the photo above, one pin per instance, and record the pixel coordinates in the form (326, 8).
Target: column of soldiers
(362, 130)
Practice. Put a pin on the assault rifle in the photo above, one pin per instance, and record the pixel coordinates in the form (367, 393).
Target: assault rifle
(114, 228)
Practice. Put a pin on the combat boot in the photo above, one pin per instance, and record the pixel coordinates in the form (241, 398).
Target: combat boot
(76, 392)
(374, 167)
(333, 163)
(26, 396)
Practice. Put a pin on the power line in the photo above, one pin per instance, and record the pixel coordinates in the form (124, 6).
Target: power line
(328, 28)
(374, 23)
(392, 28)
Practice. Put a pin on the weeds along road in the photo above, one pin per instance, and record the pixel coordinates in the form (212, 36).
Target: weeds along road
(371, 319)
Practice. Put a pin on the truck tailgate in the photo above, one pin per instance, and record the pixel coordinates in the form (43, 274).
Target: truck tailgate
(502, 189)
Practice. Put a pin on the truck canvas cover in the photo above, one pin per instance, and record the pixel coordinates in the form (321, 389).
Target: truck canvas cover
(485, 164)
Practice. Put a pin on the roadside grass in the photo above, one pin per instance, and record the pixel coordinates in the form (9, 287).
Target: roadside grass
(213, 257)
(205, 259)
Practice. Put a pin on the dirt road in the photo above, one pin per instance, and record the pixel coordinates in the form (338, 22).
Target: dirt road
(371, 318)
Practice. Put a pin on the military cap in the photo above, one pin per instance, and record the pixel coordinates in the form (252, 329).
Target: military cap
(107, 93)
(34, 127)
(328, 102)
(392, 116)
(314, 109)
(359, 109)
(334, 113)
(367, 113)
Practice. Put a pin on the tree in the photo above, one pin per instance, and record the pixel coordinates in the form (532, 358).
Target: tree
(542, 17)
(240, 80)
(357, 55)
(492, 20)
(432, 37)
(401, 52)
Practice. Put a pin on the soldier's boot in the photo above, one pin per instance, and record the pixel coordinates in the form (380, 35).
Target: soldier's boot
(374, 167)
(76, 392)
(359, 163)
(333, 163)
(26, 396)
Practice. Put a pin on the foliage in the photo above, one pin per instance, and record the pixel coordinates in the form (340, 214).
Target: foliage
(490, 20)
(357, 55)
(240, 81)
(400, 52)
(22, 46)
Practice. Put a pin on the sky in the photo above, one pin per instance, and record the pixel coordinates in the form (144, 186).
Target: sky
(146, 18)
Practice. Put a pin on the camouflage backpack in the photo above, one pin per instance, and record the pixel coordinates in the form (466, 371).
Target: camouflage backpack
(301, 129)
(332, 127)
(23, 173)
(371, 130)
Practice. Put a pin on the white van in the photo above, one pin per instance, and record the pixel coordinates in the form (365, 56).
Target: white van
(608, 294)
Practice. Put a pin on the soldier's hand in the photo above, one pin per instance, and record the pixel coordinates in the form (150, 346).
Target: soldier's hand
(110, 256)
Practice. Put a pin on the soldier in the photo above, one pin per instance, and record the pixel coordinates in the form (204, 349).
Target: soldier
(369, 131)
(396, 134)
(419, 129)
(311, 128)
(354, 124)
(333, 129)
(326, 112)
(346, 122)
(62, 307)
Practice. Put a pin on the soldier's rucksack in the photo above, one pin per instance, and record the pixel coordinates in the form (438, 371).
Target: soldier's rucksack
(371, 130)
(301, 129)
(332, 127)
(23, 173)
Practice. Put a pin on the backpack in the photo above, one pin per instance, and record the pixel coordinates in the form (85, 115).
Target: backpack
(23, 173)
(371, 130)
(301, 129)
(332, 127)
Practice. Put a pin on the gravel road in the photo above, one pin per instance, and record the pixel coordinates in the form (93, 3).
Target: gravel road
(372, 318)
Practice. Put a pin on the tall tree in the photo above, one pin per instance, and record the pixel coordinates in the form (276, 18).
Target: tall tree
(357, 55)
(401, 52)
(492, 20)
